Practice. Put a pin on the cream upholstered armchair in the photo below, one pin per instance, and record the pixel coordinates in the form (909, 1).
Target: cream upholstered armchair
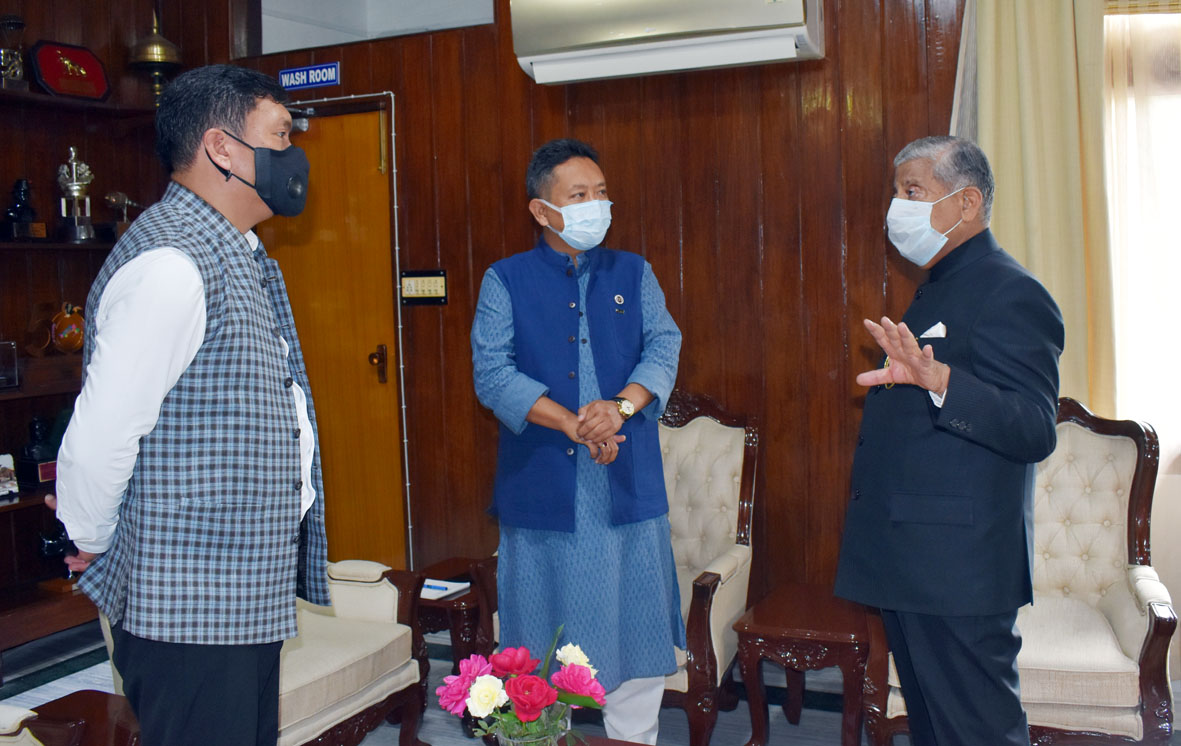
(710, 463)
(354, 663)
(1094, 655)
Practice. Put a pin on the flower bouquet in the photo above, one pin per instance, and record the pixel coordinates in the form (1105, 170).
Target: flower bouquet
(518, 706)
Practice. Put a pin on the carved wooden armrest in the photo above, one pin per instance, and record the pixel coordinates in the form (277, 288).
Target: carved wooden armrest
(1154, 670)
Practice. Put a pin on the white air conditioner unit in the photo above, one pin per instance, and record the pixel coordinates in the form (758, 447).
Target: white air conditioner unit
(559, 41)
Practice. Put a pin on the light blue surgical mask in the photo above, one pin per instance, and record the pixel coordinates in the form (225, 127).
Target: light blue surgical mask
(909, 226)
(584, 223)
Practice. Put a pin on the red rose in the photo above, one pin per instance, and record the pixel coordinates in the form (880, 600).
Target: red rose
(529, 695)
(513, 662)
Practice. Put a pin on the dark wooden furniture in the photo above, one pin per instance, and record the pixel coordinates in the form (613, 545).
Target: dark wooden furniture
(803, 627)
(458, 614)
(35, 600)
(1156, 701)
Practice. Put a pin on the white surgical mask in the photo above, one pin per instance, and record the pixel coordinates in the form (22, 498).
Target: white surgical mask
(908, 223)
(585, 223)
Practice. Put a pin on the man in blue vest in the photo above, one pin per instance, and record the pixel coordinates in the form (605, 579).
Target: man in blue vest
(576, 354)
(189, 476)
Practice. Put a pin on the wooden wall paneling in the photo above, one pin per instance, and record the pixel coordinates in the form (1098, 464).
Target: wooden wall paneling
(944, 20)
(517, 140)
(863, 164)
(659, 194)
(466, 258)
(738, 240)
(453, 369)
(356, 69)
(780, 529)
(421, 139)
(701, 367)
(613, 128)
(826, 323)
(67, 21)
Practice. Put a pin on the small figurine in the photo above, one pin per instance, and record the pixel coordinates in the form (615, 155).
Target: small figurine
(21, 211)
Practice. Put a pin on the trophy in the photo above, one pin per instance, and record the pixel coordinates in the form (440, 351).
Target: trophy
(12, 66)
(120, 201)
(20, 218)
(74, 178)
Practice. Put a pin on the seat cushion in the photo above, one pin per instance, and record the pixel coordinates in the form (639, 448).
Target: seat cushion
(332, 659)
(1070, 656)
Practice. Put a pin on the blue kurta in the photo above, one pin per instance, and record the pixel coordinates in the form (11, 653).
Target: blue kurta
(614, 587)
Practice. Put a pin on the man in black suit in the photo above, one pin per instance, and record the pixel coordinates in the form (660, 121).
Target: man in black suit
(939, 528)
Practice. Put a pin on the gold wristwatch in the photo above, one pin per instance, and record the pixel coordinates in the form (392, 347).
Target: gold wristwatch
(626, 408)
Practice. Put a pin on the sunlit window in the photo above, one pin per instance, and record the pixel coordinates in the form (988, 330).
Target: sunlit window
(1143, 131)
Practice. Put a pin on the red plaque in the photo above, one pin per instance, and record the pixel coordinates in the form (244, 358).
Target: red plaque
(68, 70)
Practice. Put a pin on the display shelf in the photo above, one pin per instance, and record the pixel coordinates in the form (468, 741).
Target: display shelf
(48, 245)
(46, 376)
(27, 499)
(45, 100)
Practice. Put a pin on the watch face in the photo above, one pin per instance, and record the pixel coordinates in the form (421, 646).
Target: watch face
(626, 407)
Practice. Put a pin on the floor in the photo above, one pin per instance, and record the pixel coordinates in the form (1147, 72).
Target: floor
(76, 659)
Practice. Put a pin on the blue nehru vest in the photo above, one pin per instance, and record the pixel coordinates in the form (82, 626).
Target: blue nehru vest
(535, 474)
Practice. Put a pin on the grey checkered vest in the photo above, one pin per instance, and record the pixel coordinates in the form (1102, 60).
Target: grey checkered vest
(210, 548)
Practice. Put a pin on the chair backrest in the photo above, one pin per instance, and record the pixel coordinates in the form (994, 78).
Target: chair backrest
(709, 473)
(1092, 504)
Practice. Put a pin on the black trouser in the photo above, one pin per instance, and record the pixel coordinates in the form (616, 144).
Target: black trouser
(200, 695)
(959, 678)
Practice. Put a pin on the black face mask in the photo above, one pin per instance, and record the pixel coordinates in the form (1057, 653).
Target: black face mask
(280, 177)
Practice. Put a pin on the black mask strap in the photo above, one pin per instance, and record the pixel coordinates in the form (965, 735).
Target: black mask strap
(225, 171)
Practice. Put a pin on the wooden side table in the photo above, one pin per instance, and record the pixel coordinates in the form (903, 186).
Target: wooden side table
(459, 614)
(803, 628)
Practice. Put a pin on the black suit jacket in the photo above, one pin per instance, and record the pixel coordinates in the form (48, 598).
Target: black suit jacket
(940, 516)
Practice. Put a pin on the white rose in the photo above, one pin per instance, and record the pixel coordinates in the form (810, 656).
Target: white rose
(486, 694)
(572, 655)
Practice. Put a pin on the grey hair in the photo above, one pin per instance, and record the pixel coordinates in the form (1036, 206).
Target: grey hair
(956, 163)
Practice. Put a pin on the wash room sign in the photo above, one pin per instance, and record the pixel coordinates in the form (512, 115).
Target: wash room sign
(312, 76)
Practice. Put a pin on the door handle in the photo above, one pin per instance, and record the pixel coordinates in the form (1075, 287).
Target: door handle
(378, 358)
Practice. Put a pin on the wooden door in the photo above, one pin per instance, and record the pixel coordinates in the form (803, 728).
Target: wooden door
(337, 260)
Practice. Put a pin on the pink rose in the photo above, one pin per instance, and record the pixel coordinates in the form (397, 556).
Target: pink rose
(513, 662)
(529, 695)
(579, 680)
(453, 694)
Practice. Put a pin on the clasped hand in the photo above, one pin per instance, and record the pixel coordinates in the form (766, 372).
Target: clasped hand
(908, 363)
(75, 562)
(597, 427)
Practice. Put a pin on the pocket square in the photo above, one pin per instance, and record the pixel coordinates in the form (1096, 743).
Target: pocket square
(939, 330)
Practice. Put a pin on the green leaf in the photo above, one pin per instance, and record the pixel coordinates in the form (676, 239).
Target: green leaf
(578, 699)
(550, 655)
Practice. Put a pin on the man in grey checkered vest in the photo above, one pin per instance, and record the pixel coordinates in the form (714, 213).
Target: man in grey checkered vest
(189, 477)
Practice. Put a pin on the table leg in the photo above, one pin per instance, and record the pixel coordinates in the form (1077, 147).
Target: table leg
(793, 701)
(463, 635)
(852, 665)
(756, 697)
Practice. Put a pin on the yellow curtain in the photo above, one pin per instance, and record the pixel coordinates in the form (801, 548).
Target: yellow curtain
(1039, 78)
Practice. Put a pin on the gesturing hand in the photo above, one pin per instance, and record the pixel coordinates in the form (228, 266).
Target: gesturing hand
(907, 362)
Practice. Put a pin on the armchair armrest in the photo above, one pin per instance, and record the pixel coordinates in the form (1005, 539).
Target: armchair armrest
(719, 598)
(1142, 616)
